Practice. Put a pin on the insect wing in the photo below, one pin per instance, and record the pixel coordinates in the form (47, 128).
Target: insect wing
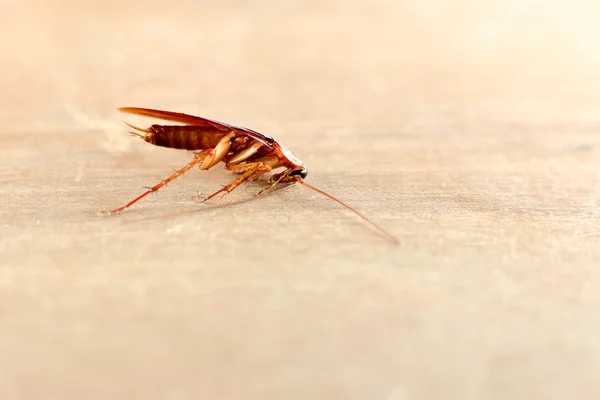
(197, 121)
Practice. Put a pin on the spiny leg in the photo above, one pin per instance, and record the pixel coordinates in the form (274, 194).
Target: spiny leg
(208, 158)
(252, 169)
(216, 155)
(275, 179)
(182, 171)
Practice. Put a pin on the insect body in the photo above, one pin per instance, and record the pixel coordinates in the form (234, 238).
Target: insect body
(249, 153)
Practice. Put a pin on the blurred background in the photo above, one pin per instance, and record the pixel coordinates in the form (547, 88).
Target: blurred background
(467, 128)
(420, 60)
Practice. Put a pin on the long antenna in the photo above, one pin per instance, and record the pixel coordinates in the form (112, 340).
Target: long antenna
(373, 224)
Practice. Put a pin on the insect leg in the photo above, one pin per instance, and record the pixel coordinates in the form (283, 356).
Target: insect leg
(216, 155)
(182, 171)
(244, 153)
(252, 169)
(275, 179)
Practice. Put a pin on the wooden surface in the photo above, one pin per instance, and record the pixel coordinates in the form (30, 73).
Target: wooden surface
(469, 130)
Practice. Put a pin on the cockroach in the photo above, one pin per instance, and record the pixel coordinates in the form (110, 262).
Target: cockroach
(244, 151)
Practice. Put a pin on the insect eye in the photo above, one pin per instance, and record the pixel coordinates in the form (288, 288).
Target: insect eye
(302, 172)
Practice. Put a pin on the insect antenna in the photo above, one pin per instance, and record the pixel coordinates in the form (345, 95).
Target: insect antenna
(373, 224)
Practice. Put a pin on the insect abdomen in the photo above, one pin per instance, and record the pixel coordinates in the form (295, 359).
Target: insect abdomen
(184, 137)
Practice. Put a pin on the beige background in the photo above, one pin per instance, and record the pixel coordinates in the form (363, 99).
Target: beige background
(469, 129)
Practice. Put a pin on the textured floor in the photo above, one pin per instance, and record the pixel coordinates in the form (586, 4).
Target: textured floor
(468, 130)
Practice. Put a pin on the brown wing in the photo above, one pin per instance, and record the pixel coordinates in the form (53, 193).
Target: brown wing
(192, 120)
